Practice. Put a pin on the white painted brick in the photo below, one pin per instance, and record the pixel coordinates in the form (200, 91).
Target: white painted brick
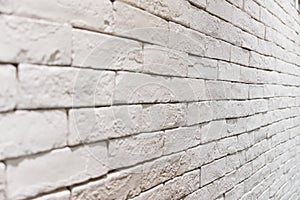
(38, 174)
(238, 3)
(90, 125)
(96, 15)
(228, 71)
(63, 87)
(155, 173)
(174, 189)
(118, 185)
(165, 61)
(227, 146)
(213, 130)
(202, 68)
(202, 154)
(213, 171)
(218, 90)
(8, 87)
(141, 88)
(218, 49)
(2, 181)
(222, 9)
(236, 193)
(239, 55)
(102, 51)
(235, 161)
(249, 75)
(44, 130)
(181, 139)
(186, 40)
(135, 149)
(176, 11)
(149, 193)
(239, 91)
(209, 24)
(64, 195)
(199, 3)
(34, 41)
(136, 23)
(252, 8)
(199, 112)
(256, 91)
(249, 41)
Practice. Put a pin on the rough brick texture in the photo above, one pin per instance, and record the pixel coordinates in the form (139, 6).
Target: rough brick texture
(149, 100)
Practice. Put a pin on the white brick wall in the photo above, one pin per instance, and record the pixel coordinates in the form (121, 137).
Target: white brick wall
(124, 99)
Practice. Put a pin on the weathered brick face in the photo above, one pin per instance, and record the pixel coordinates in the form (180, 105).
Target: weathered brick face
(158, 100)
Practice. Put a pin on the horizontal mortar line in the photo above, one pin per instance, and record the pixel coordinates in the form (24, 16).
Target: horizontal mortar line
(148, 103)
(114, 35)
(128, 167)
(278, 18)
(262, 22)
(240, 166)
(134, 39)
(246, 66)
(182, 77)
(295, 20)
(210, 35)
(106, 140)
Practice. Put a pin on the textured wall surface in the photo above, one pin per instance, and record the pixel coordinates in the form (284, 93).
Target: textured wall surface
(141, 99)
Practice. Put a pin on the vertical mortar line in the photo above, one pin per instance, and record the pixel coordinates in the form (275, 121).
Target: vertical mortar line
(5, 179)
(67, 110)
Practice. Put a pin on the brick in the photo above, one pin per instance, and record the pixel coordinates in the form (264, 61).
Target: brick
(8, 88)
(64, 195)
(239, 55)
(218, 90)
(165, 61)
(135, 149)
(34, 175)
(222, 9)
(95, 15)
(227, 146)
(63, 87)
(198, 3)
(195, 110)
(249, 41)
(236, 193)
(94, 124)
(102, 51)
(218, 49)
(2, 181)
(34, 41)
(239, 91)
(249, 75)
(252, 8)
(213, 130)
(149, 193)
(146, 27)
(44, 130)
(228, 71)
(174, 189)
(203, 154)
(238, 3)
(141, 88)
(181, 139)
(256, 91)
(118, 185)
(187, 40)
(155, 173)
(176, 11)
(202, 68)
(209, 24)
